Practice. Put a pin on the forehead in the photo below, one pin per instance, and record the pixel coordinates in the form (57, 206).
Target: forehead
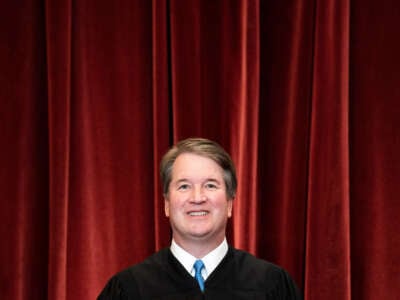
(190, 164)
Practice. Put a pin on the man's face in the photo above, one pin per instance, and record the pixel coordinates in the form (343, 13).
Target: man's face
(197, 203)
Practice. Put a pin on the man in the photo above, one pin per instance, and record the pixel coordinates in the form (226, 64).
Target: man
(199, 185)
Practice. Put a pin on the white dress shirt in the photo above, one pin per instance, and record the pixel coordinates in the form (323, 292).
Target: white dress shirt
(211, 260)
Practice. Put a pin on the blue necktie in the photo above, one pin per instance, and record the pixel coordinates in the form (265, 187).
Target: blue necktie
(198, 266)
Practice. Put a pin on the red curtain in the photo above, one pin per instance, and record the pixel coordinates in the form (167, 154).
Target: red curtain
(305, 95)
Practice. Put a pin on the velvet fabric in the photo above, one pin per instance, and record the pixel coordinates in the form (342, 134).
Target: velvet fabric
(303, 94)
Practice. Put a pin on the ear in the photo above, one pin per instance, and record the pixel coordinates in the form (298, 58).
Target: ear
(166, 205)
(230, 207)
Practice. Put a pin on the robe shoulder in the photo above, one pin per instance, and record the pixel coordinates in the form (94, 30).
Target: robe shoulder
(240, 275)
(121, 286)
(136, 281)
(250, 274)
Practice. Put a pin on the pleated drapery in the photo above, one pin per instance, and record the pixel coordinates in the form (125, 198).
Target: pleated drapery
(303, 94)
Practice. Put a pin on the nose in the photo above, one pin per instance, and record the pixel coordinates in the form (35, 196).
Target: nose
(198, 195)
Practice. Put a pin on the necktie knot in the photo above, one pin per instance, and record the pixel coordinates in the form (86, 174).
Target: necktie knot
(198, 266)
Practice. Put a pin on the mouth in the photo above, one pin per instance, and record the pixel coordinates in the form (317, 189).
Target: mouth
(198, 213)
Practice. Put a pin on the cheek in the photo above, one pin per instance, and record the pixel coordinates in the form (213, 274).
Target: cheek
(172, 205)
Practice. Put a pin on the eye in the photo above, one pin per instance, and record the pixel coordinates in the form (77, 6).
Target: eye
(183, 187)
(211, 186)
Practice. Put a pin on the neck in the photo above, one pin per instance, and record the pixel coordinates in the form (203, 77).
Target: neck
(198, 248)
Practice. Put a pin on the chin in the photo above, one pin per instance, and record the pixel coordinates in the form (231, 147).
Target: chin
(200, 235)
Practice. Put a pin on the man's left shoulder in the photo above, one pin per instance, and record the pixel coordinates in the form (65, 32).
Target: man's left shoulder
(247, 259)
(263, 276)
(255, 267)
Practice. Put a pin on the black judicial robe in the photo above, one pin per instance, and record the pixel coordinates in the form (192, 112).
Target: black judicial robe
(240, 275)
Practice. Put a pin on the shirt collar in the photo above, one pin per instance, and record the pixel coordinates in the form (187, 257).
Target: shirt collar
(211, 260)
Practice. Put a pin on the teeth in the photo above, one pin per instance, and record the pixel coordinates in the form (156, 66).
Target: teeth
(197, 213)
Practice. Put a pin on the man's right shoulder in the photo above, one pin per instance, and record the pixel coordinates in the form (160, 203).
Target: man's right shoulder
(151, 264)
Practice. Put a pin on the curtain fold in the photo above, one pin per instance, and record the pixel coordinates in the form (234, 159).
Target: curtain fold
(58, 61)
(113, 194)
(328, 216)
(161, 111)
(244, 146)
(23, 153)
(303, 94)
(286, 61)
(374, 145)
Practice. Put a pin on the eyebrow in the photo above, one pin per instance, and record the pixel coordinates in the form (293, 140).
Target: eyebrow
(179, 181)
(187, 180)
(213, 180)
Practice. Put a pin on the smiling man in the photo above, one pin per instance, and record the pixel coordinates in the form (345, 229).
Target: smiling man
(199, 185)
(197, 204)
